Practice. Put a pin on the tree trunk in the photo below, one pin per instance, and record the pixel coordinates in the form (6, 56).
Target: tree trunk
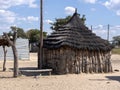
(15, 61)
(4, 63)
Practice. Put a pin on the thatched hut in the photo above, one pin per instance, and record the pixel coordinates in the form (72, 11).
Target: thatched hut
(73, 48)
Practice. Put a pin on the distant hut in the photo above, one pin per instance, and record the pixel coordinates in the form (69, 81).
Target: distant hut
(73, 48)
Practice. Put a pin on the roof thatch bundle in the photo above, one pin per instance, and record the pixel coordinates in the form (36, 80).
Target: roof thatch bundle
(73, 48)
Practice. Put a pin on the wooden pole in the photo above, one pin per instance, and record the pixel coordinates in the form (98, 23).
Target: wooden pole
(108, 32)
(40, 51)
(91, 28)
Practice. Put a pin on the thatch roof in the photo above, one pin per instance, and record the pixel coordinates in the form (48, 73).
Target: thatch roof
(76, 35)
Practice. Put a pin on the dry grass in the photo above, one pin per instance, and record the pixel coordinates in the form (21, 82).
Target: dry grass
(116, 51)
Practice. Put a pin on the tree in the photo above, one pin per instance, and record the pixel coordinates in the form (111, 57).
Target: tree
(62, 21)
(116, 40)
(14, 49)
(83, 19)
(34, 35)
(20, 32)
(58, 22)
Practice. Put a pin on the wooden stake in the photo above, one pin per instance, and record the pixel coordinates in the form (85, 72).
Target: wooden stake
(40, 51)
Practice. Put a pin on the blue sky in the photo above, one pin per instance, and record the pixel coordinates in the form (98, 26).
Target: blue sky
(25, 14)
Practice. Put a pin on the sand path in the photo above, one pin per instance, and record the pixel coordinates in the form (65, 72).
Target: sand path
(110, 81)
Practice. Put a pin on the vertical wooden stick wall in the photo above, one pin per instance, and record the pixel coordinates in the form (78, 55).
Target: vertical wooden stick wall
(66, 60)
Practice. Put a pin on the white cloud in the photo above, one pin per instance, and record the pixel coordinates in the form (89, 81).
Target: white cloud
(102, 31)
(32, 18)
(69, 10)
(28, 19)
(21, 19)
(7, 16)
(90, 1)
(31, 3)
(100, 26)
(4, 28)
(113, 5)
(93, 9)
(117, 26)
(118, 12)
(48, 21)
(4, 4)
(7, 19)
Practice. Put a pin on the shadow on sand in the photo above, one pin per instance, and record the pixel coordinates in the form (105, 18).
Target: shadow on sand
(109, 78)
(117, 78)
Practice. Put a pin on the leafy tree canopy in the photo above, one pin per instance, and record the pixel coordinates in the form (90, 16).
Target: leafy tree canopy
(34, 35)
(62, 21)
(20, 32)
(116, 40)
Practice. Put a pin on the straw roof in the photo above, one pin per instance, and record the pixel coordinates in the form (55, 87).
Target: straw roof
(76, 35)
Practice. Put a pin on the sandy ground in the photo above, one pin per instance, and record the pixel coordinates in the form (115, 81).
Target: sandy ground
(110, 81)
